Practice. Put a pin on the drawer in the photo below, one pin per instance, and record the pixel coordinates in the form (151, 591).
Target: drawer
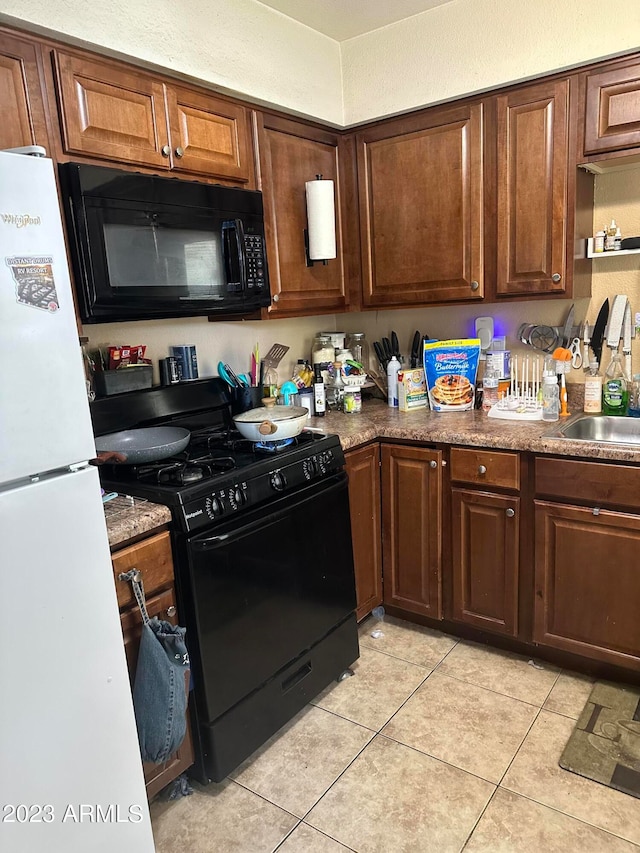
(596, 483)
(485, 467)
(152, 558)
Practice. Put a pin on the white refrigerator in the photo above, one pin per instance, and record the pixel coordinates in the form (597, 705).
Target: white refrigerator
(70, 772)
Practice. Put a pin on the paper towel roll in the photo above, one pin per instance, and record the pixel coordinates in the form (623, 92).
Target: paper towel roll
(321, 219)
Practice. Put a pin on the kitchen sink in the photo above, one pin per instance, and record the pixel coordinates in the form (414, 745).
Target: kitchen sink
(600, 428)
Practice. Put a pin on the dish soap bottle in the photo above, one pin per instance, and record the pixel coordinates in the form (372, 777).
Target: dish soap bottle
(593, 390)
(615, 388)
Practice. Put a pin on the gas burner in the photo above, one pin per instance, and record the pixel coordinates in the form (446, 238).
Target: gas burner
(273, 446)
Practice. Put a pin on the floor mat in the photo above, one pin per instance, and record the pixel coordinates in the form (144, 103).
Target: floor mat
(605, 744)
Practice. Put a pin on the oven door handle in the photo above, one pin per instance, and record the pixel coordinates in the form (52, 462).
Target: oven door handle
(335, 483)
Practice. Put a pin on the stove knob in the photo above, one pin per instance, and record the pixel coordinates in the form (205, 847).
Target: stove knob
(314, 470)
(216, 506)
(278, 481)
(240, 496)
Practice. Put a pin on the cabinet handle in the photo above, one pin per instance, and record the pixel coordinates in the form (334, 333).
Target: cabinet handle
(275, 298)
(482, 469)
(433, 464)
(596, 510)
(165, 150)
(179, 152)
(171, 611)
(474, 285)
(510, 513)
(556, 277)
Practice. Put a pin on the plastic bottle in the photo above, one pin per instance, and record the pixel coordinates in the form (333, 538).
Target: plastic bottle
(598, 243)
(392, 382)
(593, 389)
(550, 399)
(490, 384)
(617, 241)
(615, 387)
(378, 613)
(610, 239)
(634, 397)
(335, 388)
(319, 396)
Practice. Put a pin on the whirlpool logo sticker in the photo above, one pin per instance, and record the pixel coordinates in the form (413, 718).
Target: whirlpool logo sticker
(20, 220)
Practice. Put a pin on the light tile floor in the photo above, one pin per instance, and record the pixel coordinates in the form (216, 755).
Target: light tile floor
(434, 746)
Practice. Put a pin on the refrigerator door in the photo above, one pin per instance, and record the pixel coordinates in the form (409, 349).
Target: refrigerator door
(44, 412)
(67, 730)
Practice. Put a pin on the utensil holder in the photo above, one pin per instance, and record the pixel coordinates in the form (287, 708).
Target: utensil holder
(243, 399)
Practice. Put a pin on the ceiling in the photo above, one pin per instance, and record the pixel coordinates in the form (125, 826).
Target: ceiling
(344, 19)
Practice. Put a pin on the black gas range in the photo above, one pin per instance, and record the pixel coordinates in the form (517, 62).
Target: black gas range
(263, 560)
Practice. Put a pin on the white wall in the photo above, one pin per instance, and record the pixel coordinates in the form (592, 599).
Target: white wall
(471, 45)
(235, 45)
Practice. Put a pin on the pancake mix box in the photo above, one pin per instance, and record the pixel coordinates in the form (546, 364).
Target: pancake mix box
(412, 389)
(451, 368)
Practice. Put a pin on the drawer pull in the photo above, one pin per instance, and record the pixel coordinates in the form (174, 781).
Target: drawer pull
(474, 285)
(510, 513)
(596, 510)
(171, 611)
(482, 469)
(556, 277)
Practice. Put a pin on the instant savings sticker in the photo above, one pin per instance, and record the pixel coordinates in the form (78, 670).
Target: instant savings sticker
(35, 285)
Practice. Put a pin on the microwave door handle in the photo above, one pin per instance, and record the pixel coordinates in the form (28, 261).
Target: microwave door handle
(234, 251)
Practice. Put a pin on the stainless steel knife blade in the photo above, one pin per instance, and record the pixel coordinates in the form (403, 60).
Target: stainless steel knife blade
(568, 328)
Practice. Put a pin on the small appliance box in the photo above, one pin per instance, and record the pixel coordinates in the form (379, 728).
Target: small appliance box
(187, 361)
(412, 389)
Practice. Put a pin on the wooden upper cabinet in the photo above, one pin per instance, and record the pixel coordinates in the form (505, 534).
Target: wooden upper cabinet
(115, 113)
(612, 109)
(21, 101)
(532, 173)
(112, 113)
(290, 154)
(209, 135)
(421, 207)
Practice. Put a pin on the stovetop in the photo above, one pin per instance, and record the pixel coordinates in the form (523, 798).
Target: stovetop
(221, 474)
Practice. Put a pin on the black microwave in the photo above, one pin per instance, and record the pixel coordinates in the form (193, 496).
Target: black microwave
(145, 247)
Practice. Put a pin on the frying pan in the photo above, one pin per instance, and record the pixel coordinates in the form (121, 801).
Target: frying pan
(271, 423)
(144, 445)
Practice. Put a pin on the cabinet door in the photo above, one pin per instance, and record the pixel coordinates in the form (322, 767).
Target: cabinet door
(411, 528)
(164, 607)
(363, 468)
(532, 126)
(110, 112)
(485, 537)
(421, 208)
(612, 109)
(209, 135)
(292, 153)
(587, 582)
(21, 101)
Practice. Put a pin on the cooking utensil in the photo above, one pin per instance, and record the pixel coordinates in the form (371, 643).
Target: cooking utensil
(597, 336)
(576, 354)
(616, 321)
(271, 423)
(379, 351)
(386, 346)
(586, 337)
(145, 445)
(567, 330)
(415, 349)
(275, 355)
(627, 334)
(223, 373)
(543, 338)
(395, 345)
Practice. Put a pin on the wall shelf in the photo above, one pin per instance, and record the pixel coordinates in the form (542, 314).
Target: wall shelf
(618, 254)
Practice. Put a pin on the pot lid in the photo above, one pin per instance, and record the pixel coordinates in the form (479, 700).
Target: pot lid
(272, 413)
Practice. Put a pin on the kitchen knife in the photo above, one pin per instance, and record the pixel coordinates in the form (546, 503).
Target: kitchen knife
(395, 346)
(597, 335)
(380, 354)
(386, 346)
(568, 328)
(415, 349)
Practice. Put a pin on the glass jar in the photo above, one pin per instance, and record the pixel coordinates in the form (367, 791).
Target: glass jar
(359, 348)
(322, 354)
(352, 400)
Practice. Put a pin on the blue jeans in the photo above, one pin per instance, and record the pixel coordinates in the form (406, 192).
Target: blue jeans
(159, 690)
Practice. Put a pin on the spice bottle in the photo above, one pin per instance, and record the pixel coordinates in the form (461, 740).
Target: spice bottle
(610, 239)
(593, 389)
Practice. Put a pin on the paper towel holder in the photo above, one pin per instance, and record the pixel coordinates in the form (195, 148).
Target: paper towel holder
(328, 226)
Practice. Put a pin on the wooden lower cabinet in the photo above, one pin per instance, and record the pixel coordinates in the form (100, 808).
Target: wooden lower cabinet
(485, 546)
(587, 582)
(363, 468)
(152, 557)
(412, 528)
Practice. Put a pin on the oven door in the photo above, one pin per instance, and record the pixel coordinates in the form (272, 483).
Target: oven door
(260, 591)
